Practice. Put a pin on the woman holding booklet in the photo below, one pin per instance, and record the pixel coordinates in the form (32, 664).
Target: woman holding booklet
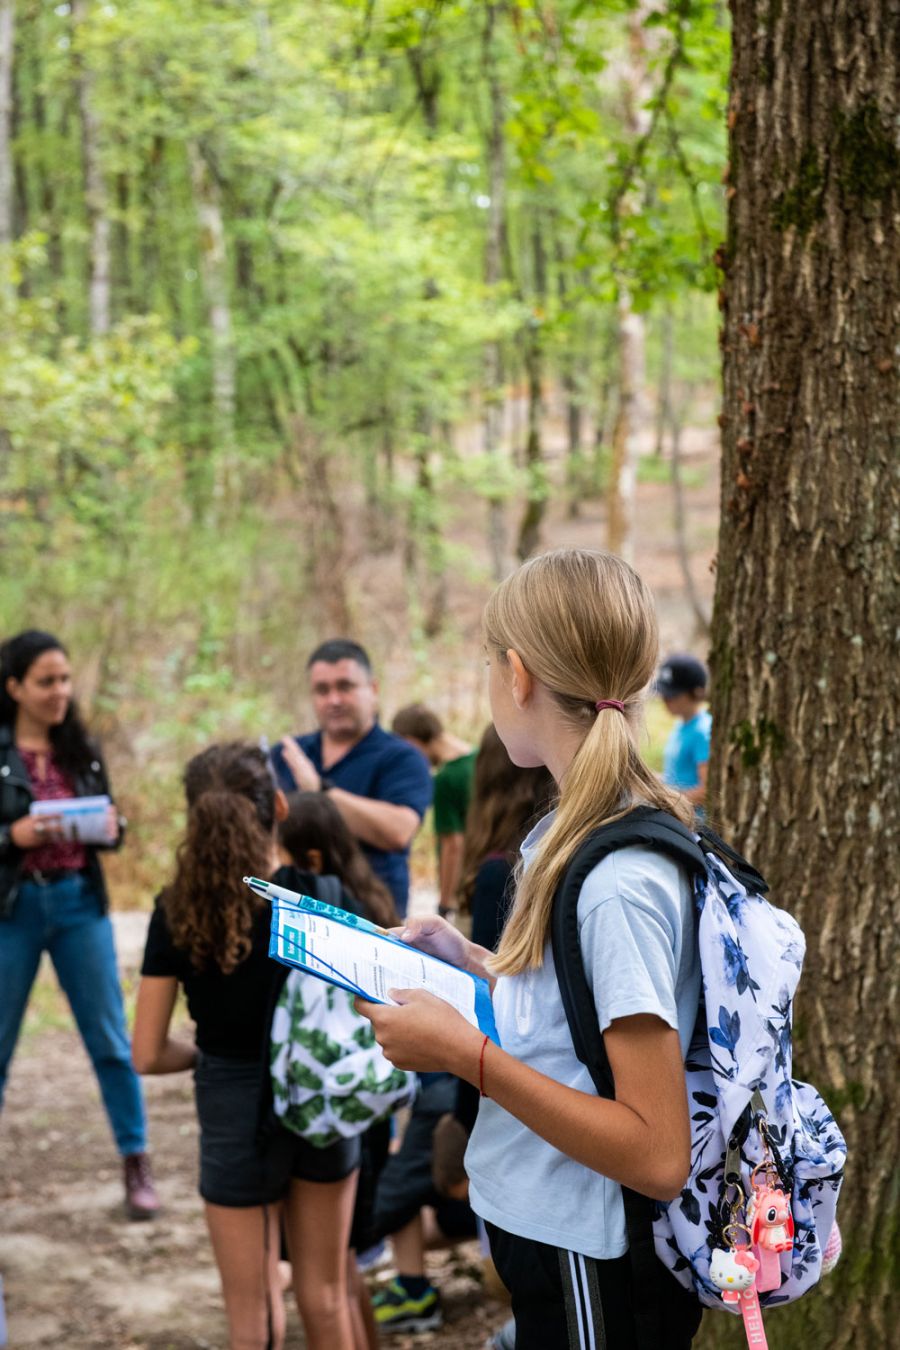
(209, 934)
(52, 892)
(571, 646)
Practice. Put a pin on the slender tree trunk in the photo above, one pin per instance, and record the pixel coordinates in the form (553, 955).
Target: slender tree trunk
(665, 413)
(623, 465)
(7, 46)
(632, 341)
(806, 746)
(214, 270)
(536, 503)
(675, 424)
(96, 194)
(326, 560)
(426, 553)
(493, 272)
(574, 413)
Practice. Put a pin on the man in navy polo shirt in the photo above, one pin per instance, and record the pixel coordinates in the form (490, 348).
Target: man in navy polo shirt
(379, 783)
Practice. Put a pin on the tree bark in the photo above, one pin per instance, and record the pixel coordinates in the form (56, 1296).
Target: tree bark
(806, 750)
(95, 191)
(7, 46)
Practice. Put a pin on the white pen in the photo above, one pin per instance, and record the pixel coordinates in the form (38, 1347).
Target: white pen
(311, 905)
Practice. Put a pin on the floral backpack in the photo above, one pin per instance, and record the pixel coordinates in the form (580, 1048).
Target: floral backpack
(330, 1078)
(767, 1157)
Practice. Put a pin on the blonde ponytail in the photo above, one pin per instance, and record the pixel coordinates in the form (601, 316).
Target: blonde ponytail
(584, 624)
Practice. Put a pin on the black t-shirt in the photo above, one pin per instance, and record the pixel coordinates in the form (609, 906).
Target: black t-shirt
(491, 899)
(231, 1012)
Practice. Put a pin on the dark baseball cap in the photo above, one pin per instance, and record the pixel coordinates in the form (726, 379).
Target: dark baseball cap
(681, 674)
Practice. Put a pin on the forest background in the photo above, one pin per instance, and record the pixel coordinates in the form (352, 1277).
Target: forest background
(314, 313)
(317, 316)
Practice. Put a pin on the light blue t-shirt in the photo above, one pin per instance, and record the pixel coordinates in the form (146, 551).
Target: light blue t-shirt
(636, 918)
(686, 749)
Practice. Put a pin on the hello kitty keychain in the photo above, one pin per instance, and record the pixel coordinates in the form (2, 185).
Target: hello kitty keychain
(733, 1270)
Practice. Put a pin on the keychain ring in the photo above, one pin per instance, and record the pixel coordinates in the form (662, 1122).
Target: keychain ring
(767, 1166)
(735, 1228)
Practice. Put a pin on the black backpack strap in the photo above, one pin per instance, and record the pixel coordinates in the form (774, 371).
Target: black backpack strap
(646, 826)
(329, 890)
(739, 867)
(662, 1307)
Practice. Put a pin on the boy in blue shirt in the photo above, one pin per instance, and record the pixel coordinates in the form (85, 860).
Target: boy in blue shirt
(682, 684)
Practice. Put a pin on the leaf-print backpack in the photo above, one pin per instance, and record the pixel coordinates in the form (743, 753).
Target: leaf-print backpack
(330, 1078)
(745, 1106)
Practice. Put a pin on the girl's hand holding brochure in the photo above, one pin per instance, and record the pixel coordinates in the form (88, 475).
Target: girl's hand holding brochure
(439, 938)
(424, 1033)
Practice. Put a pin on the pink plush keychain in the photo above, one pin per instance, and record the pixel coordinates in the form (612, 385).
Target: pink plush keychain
(734, 1272)
(771, 1231)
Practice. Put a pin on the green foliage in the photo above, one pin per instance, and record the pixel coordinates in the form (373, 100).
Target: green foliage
(296, 199)
(653, 469)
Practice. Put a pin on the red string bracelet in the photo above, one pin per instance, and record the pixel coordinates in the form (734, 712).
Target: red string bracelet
(481, 1066)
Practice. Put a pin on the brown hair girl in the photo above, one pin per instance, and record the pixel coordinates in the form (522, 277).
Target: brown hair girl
(506, 802)
(231, 814)
(314, 826)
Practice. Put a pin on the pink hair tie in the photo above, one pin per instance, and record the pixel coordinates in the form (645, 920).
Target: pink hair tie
(609, 703)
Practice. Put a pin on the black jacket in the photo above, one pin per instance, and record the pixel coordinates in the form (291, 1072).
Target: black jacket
(15, 800)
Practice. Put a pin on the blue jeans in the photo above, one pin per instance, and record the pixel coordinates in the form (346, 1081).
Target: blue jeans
(63, 917)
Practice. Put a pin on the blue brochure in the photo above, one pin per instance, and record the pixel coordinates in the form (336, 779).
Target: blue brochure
(353, 954)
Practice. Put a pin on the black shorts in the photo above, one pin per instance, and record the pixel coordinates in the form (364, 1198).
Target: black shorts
(238, 1166)
(562, 1300)
(375, 1147)
(405, 1184)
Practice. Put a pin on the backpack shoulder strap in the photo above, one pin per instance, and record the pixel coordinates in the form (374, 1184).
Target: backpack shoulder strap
(738, 866)
(663, 1306)
(647, 826)
(329, 890)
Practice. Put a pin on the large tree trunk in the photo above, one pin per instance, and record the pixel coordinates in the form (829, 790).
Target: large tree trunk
(7, 44)
(95, 191)
(806, 753)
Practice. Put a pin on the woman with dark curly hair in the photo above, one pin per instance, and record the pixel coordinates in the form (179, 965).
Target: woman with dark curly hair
(210, 934)
(52, 893)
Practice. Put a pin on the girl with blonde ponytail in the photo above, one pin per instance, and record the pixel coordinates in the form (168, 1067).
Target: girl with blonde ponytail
(571, 644)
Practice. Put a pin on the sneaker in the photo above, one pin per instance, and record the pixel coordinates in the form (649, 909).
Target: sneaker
(396, 1310)
(141, 1200)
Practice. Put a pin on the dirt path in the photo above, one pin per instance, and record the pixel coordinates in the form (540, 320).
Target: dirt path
(76, 1273)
